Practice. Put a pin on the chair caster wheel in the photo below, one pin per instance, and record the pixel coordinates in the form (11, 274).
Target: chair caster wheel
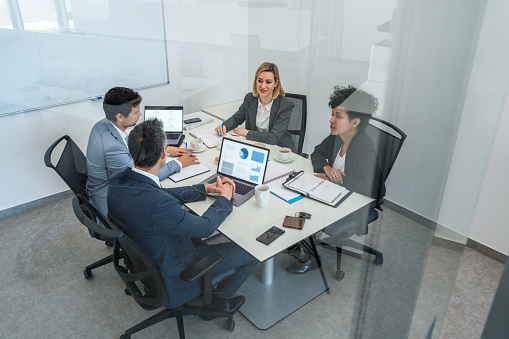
(127, 291)
(229, 325)
(379, 259)
(109, 243)
(340, 275)
(88, 274)
(125, 336)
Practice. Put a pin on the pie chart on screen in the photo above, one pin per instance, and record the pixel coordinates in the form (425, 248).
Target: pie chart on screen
(243, 153)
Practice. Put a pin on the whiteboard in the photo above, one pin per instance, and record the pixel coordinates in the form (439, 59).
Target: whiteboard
(113, 43)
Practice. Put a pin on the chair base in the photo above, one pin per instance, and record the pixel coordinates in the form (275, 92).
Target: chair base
(379, 256)
(87, 272)
(178, 314)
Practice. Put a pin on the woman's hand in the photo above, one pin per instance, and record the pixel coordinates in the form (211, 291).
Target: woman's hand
(240, 131)
(334, 174)
(322, 176)
(221, 130)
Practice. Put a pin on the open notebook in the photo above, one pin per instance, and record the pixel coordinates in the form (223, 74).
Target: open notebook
(316, 188)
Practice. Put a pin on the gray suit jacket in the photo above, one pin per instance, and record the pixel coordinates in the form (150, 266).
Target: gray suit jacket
(280, 115)
(107, 154)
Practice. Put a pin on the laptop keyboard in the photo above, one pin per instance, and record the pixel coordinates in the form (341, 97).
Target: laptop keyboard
(240, 188)
(172, 136)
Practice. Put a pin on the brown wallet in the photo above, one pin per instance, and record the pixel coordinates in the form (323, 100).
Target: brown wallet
(294, 222)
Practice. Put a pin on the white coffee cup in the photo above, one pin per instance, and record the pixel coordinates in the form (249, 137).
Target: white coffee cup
(285, 153)
(262, 193)
(196, 144)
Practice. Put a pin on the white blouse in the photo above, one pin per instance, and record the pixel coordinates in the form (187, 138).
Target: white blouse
(262, 116)
(339, 163)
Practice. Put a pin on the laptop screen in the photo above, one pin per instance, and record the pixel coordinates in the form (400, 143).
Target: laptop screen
(171, 116)
(243, 161)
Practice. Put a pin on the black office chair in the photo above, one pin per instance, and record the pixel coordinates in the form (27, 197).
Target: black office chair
(297, 126)
(71, 167)
(388, 140)
(88, 215)
(144, 283)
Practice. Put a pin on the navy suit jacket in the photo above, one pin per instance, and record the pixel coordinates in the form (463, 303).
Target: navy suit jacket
(107, 154)
(280, 114)
(154, 219)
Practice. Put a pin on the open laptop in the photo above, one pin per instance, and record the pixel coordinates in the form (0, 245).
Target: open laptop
(243, 163)
(173, 122)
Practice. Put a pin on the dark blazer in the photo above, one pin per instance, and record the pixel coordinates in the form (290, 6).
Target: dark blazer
(362, 170)
(107, 154)
(280, 115)
(154, 219)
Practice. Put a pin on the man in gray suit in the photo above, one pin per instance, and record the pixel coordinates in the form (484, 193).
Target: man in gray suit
(107, 151)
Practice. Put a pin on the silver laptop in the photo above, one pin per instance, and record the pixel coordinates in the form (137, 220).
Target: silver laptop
(173, 122)
(243, 163)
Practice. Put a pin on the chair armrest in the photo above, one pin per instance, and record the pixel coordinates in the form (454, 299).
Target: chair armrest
(201, 267)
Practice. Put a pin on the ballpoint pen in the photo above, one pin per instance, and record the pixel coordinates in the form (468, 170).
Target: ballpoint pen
(222, 126)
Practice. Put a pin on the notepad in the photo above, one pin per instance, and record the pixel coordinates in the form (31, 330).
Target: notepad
(275, 176)
(316, 188)
(187, 172)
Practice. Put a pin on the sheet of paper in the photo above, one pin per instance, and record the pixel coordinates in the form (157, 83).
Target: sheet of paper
(209, 136)
(327, 191)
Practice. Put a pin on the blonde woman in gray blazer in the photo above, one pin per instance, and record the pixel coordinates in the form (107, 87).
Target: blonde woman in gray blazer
(265, 111)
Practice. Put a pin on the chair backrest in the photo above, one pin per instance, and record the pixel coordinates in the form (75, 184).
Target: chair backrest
(388, 140)
(297, 126)
(139, 273)
(71, 167)
(88, 215)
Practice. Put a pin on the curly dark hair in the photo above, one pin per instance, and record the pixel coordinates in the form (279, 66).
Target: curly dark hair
(146, 142)
(360, 106)
(119, 96)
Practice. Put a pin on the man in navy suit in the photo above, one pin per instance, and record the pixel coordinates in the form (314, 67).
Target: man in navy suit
(154, 219)
(107, 151)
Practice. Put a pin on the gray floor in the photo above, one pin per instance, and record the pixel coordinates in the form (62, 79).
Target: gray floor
(45, 295)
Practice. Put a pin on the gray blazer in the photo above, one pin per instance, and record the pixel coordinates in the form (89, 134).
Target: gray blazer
(107, 154)
(280, 115)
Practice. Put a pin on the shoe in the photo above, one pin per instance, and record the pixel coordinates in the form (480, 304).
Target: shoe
(301, 268)
(228, 305)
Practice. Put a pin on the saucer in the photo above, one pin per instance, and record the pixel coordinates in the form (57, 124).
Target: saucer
(284, 161)
(203, 148)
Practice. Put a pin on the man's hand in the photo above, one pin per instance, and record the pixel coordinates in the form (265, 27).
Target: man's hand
(241, 131)
(223, 186)
(188, 159)
(334, 174)
(176, 151)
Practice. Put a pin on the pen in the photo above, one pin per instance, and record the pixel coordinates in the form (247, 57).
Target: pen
(222, 126)
(186, 144)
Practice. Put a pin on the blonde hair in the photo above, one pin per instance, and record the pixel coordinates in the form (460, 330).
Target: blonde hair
(269, 67)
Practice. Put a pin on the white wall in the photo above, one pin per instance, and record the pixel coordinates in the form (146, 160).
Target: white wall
(201, 75)
(489, 224)
(489, 82)
(433, 52)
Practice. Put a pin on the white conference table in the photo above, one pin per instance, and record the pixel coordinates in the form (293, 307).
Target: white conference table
(248, 221)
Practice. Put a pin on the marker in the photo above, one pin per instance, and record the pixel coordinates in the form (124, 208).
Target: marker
(186, 144)
(222, 126)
